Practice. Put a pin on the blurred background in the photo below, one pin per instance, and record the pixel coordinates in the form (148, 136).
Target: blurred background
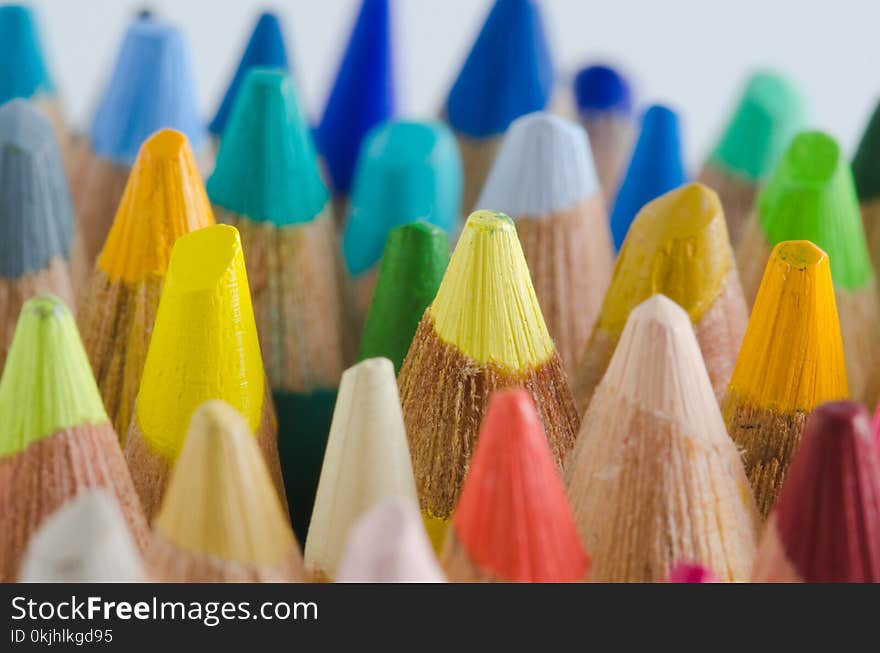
(692, 54)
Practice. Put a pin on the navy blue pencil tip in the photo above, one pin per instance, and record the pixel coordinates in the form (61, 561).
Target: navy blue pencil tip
(362, 96)
(508, 73)
(151, 88)
(655, 168)
(265, 49)
(602, 88)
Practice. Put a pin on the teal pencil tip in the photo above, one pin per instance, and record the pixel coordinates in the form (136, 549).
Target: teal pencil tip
(267, 168)
(23, 71)
(407, 171)
(769, 113)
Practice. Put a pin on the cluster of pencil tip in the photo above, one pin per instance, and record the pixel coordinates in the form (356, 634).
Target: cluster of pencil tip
(311, 366)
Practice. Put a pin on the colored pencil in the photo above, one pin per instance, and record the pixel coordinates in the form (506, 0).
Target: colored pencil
(407, 171)
(825, 527)
(508, 73)
(204, 346)
(513, 522)
(363, 93)
(367, 460)
(677, 246)
(36, 217)
(265, 49)
(811, 196)
(150, 88)
(164, 199)
(24, 72)
(389, 545)
(654, 168)
(866, 174)
(690, 573)
(221, 519)
(604, 106)
(55, 438)
(769, 113)
(791, 360)
(483, 331)
(295, 268)
(85, 541)
(654, 478)
(544, 178)
(410, 272)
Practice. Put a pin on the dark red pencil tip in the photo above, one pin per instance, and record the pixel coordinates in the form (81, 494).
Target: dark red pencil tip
(828, 511)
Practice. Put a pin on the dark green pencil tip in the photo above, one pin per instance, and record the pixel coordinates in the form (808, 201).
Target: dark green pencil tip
(866, 164)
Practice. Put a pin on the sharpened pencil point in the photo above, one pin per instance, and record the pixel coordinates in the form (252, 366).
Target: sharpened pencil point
(47, 383)
(150, 88)
(265, 49)
(655, 168)
(653, 462)
(513, 522)
(204, 342)
(825, 526)
(24, 71)
(811, 196)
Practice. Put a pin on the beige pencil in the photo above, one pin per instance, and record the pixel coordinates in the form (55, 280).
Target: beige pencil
(221, 520)
(654, 478)
(367, 460)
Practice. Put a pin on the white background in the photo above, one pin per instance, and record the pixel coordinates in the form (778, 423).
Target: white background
(692, 54)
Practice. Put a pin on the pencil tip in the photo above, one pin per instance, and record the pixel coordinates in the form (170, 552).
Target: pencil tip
(240, 517)
(769, 113)
(265, 49)
(866, 163)
(204, 343)
(24, 71)
(483, 323)
(601, 88)
(147, 222)
(267, 144)
(151, 87)
(513, 517)
(411, 269)
(544, 165)
(655, 168)
(85, 541)
(677, 246)
(366, 460)
(508, 72)
(389, 545)
(35, 227)
(833, 487)
(420, 157)
(691, 573)
(658, 364)
(792, 354)
(47, 383)
(363, 94)
(811, 196)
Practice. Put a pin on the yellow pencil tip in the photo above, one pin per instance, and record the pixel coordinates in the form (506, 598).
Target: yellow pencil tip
(164, 198)
(792, 354)
(220, 499)
(677, 246)
(204, 343)
(486, 304)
